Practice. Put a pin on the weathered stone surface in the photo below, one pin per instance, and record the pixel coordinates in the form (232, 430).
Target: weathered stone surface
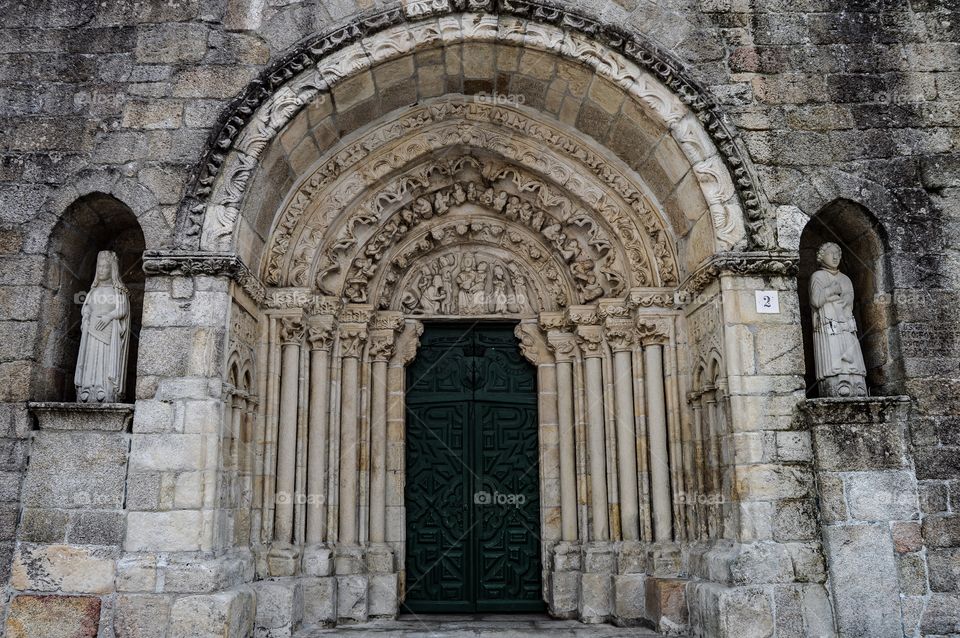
(882, 496)
(279, 607)
(666, 604)
(229, 613)
(71, 470)
(855, 445)
(320, 601)
(63, 568)
(141, 616)
(864, 606)
(53, 617)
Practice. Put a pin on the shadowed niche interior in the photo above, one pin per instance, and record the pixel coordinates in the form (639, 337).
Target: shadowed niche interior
(92, 223)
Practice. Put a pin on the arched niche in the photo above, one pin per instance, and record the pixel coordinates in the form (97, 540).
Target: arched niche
(864, 245)
(92, 223)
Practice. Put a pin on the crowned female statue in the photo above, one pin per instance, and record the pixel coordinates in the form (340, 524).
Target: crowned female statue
(104, 335)
(836, 351)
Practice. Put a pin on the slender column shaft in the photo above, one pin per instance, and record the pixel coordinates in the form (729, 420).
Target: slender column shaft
(349, 450)
(287, 440)
(317, 449)
(699, 469)
(657, 431)
(378, 452)
(598, 464)
(568, 459)
(626, 445)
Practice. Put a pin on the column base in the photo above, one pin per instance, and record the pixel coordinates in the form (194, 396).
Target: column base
(318, 560)
(283, 559)
(563, 583)
(596, 584)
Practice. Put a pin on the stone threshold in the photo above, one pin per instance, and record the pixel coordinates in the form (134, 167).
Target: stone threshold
(468, 625)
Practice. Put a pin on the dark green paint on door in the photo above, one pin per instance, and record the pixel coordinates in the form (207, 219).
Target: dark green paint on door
(472, 491)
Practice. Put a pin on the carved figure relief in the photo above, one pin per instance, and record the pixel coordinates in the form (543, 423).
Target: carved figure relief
(101, 372)
(836, 351)
(483, 284)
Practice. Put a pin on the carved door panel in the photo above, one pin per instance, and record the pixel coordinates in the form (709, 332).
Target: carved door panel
(472, 492)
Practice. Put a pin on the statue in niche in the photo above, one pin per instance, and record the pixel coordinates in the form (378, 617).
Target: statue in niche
(499, 290)
(104, 335)
(836, 351)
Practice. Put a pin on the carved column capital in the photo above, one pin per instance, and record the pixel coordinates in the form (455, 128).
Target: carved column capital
(533, 344)
(384, 328)
(554, 321)
(356, 313)
(652, 331)
(381, 345)
(352, 338)
(291, 331)
(590, 339)
(320, 332)
(322, 305)
(563, 344)
(387, 320)
(614, 309)
(583, 315)
(619, 333)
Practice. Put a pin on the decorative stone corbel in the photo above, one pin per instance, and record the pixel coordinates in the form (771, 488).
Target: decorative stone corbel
(408, 342)
(533, 344)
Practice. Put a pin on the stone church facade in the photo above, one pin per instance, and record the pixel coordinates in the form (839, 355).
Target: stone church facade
(480, 306)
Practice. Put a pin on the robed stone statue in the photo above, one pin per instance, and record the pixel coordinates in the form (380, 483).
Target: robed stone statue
(836, 351)
(105, 335)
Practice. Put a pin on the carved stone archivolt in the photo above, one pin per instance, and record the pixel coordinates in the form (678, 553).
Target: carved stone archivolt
(651, 78)
(333, 211)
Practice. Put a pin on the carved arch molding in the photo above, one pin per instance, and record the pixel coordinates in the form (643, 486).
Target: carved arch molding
(209, 215)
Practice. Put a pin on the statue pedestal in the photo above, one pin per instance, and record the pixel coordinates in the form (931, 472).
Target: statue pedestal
(84, 417)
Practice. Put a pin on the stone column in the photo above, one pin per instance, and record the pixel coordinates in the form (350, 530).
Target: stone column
(590, 338)
(652, 341)
(282, 558)
(352, 582)
(596, 582)
(352, 338)
(291, 335)
(381, 350)
(564, 348)
(619, 334)
(320, 336)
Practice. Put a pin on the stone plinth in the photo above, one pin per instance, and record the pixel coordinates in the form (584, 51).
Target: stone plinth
(868, 498)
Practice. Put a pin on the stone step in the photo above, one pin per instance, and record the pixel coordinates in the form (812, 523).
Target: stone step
(470, 625)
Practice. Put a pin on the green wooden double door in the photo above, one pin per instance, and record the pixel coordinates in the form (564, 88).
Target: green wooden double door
(472, 477)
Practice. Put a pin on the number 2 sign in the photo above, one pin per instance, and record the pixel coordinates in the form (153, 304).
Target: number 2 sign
(768, 302)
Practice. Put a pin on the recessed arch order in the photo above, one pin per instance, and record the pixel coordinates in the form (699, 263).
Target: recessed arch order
(657, 233)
